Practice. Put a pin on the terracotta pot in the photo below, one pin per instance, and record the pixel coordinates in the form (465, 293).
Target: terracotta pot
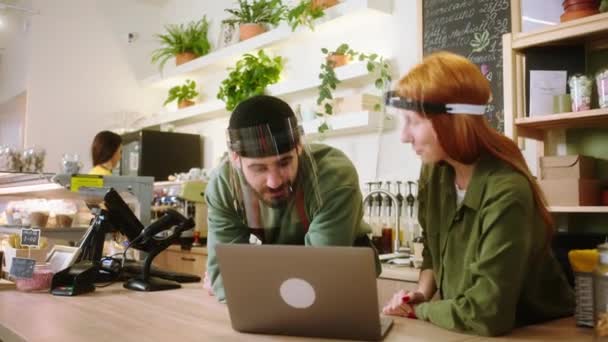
(581, 6)
(184, 57)
(323, 3)
(571, 15)
(247, 31)
(567, 3)
(184, 103)
(337, 60)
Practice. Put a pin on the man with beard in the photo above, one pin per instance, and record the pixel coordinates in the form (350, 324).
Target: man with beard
(275, 189)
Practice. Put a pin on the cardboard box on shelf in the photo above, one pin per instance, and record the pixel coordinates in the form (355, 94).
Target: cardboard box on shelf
(567, 167)
(571, 192)
(356, 103)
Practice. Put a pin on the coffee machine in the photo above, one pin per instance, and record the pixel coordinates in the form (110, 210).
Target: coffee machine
(187, 197)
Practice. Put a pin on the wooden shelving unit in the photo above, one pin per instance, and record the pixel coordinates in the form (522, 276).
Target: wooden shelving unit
(536, 127)
(590, 32)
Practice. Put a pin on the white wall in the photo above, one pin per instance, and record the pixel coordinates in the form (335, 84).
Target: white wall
(13, 69)
(376, 156)
(78, 79)
(12, 121)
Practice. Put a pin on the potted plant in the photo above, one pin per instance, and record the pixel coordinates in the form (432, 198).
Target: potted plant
(253, 17)
(340, 56)
(329, 81)
(324, 4)
(183, 94)
(250, 77)
(305, 13)
(184, 42)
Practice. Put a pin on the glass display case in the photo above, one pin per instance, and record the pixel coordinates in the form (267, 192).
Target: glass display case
(47, 202)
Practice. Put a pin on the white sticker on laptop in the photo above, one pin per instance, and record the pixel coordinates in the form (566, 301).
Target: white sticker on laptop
(297, 293)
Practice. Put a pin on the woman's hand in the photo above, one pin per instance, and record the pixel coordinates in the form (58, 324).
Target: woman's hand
(207, 284)
(403, 303)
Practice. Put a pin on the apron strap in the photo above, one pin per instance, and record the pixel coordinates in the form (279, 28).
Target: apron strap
(302, 210)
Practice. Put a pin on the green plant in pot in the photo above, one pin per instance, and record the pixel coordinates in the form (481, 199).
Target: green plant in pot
(305, 13)
(250, 77)
(184, 42)
(329, 81)
(253, 17)
(183, 94)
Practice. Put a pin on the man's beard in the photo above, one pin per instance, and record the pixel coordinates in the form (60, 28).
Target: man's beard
(276, 202)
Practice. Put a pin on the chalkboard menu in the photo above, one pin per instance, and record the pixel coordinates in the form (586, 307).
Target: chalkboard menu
(474, 29)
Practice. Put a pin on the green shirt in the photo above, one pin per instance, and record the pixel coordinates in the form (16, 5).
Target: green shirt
(338, 222)
(487, 254)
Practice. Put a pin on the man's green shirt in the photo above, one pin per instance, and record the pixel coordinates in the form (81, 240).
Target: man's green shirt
(338, 221)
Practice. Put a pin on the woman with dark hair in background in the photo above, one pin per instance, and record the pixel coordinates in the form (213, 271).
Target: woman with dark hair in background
(487, 231)
(106, 152)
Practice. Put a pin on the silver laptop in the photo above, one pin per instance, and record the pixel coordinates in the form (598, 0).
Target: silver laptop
(302, 291)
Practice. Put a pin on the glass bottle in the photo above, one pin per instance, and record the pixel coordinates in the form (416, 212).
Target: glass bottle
(376, 220)
(600, 295)
(387, 222)
(580, 92)
(411, 220)
(401, 216)
(368, 205)
(601, 79)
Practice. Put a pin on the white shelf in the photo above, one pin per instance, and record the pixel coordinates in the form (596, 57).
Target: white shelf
(173, 75)
(348, 74)
(349, 123)
(579, 209)
(203, 111)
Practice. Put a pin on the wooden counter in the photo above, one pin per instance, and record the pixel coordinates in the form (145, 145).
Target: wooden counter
(187, 314)
(402, 273)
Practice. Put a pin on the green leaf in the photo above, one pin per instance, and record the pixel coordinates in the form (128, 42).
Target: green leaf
(186, 91)
(269, 12)
(179, 38)
(324, 127)
(379, 84)
(250, 76)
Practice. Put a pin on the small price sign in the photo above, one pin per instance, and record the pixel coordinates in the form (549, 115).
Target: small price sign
(22, 268)
(89, 181)
(30, 237)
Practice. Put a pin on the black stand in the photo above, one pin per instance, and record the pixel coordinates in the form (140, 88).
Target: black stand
(150, 284)
(145, 282)
(75, 280)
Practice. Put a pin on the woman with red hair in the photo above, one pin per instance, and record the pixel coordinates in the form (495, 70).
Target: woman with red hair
(487, 231)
